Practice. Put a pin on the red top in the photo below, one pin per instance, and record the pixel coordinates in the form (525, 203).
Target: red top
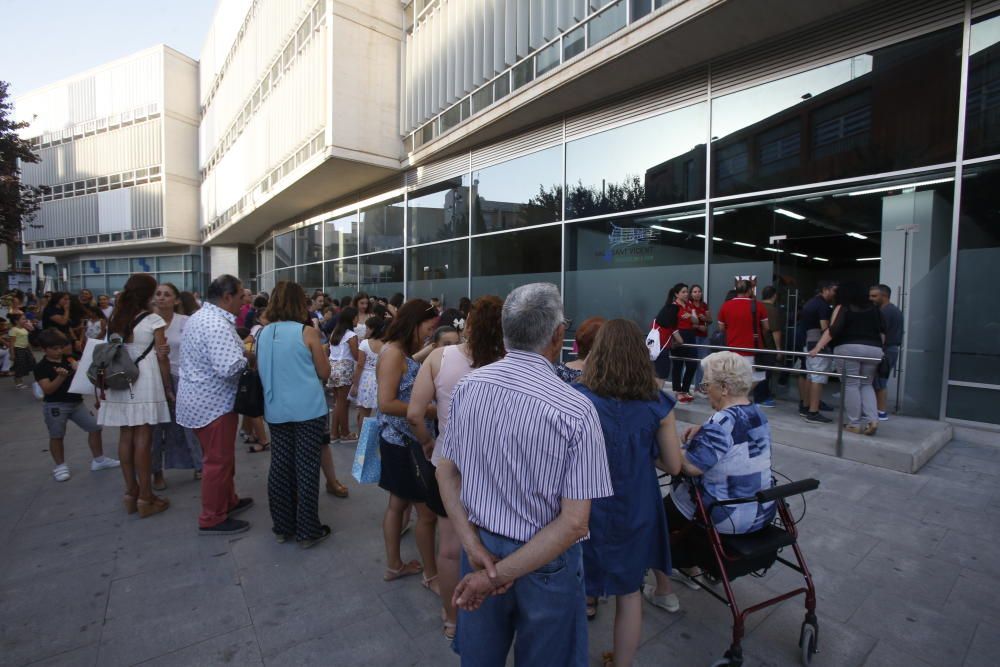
(736, 315)
(684, 311)
(665, 334)
(702, 309)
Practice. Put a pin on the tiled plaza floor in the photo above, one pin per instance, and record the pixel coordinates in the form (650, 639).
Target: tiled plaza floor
(907, 568)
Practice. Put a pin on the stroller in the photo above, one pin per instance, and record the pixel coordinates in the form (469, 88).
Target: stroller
(726, 557)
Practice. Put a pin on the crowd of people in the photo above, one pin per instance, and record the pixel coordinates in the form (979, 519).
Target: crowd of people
(532, 483)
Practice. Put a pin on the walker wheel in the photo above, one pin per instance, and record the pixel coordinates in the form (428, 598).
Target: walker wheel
(807, 643)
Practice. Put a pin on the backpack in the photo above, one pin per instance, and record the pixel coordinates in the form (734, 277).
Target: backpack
(112, 367)
(653, 342)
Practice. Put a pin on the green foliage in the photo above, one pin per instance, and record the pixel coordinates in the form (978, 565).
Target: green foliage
(18, 202)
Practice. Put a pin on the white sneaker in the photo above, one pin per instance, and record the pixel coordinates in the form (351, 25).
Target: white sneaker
(103, 463)
(668, 602)
(681, 578)
(61, 472)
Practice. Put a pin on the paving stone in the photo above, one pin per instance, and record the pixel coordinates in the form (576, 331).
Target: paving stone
(174, 607)
(777, 640)
(985, 648)
(887, 654)
(238, 648)
(81, 657)
(937, 637)
(975, 594)
(895, 568)
(974, 553)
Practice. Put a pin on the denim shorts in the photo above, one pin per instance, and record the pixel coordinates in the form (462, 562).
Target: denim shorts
(57, 414)
(820, 364)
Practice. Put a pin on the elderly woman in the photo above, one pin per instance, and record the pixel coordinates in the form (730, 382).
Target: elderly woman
(731, 454)
(585, 334)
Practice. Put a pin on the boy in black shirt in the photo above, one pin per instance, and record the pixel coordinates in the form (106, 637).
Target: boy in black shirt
(54, 373)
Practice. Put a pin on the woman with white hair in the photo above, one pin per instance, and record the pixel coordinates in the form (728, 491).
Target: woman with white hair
(729, 456)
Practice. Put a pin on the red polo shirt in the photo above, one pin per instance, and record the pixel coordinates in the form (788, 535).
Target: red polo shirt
(736, 315)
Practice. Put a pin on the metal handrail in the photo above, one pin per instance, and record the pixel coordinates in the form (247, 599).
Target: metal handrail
(788, 352)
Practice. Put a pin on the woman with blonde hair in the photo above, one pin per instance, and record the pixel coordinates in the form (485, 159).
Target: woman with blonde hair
(436, 380)
(628, 531)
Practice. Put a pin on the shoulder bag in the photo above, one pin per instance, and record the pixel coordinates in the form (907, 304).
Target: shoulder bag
(250, 390)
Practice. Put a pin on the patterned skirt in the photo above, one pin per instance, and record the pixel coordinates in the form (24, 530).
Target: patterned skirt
(341, 373)
(24, 362)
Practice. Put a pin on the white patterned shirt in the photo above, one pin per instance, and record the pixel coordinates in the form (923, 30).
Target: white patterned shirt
(211, 362)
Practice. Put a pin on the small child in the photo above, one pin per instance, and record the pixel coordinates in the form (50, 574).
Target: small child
(24, 361)
(365, 386)
(54, 373)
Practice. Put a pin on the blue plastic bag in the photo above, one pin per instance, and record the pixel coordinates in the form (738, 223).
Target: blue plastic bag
(367, 466)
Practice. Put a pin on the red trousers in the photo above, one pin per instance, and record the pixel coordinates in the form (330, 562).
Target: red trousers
(218, 488)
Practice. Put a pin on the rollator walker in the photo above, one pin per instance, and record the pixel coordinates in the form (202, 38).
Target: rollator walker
(732, 556)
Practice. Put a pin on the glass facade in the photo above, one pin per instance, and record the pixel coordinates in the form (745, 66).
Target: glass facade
(845, 171)
(108, 275)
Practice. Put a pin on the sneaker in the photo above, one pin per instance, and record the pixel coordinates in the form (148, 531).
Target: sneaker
(61, 472)
(803, 410)
(668, 602)
(227, 527)
(766, 403)
(681, 578)
(325, 532)
(242, 505)
(883, 416)
(817, 418)
(824, 407)
(103, 463)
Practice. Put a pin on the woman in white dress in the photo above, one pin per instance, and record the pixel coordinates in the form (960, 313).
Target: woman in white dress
(174, 447)
(138, 409)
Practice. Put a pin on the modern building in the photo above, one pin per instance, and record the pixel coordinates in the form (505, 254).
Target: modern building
(614, 147)
(118, 149)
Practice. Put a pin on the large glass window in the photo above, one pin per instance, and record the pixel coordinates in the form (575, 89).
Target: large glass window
(974, 354)
(310, 277)
(382, 273)
(341, 236)
(439, 270)
(382, 226)
(340, 278)
(519, 193)
(894, 233)
(439, 212)
(623, 267)
(863, 115)
(309, 244)
(501, 262)
(284, 251)
(982, 113)
(652, 162)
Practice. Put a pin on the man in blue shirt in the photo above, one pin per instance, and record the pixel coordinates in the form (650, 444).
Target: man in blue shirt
(815, 319)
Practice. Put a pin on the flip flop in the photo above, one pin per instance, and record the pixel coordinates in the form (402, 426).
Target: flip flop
(258, 448)
(408, 569)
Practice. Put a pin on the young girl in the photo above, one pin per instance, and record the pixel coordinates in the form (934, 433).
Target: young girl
(24, 361)
(343, 356)
(365, 388)
(95, 325)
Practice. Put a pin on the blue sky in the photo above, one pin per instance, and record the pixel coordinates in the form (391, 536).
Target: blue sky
(42, 41)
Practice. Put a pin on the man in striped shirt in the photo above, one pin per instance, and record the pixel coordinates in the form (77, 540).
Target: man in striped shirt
(523, 456)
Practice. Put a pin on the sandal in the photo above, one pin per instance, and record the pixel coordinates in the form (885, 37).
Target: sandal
(160, 484)
(449, 630)
(406, 570)
(608, 659)
(427, 582)
(130, 504)
(248, 438)
(257, 448)
(150, 507)
(591, 608)
(335, 488)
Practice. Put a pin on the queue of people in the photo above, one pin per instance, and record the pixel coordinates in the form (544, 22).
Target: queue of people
(533, 482)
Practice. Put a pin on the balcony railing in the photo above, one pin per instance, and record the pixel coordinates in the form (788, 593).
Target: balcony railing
(577, 39)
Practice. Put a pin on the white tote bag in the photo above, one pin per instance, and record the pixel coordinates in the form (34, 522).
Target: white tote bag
(653, 342)
(80, 384)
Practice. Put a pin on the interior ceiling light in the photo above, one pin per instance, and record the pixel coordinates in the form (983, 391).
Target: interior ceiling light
(770, 249)
(716, 238)
(667, 229)
(790, 214)
(690, 216)
(857, 236)
(868, 259)
(900, 187)
(821, 259)
(745, 245)
(799, 254)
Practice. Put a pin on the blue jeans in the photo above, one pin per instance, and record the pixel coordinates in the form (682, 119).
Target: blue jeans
(545, 609)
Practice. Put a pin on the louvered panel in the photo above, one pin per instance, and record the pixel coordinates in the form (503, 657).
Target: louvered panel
(980, 7)
(147, 206)
(487, 65)
(535, 37)
(499, 34)
(438, 171)
(469, 45)
(523, 34)
(529, 142)
(679, 92)
(888, 20)
(76, 216)
(549, 29)
(510, 32)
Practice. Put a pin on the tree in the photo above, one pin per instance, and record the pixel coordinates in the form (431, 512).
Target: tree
(18, 202)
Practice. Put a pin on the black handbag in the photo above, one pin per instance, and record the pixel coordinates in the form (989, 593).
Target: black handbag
(250, 391)
(424, 471)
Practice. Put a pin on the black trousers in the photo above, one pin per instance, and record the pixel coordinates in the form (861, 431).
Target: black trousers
(293, 480)
(685, 363)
